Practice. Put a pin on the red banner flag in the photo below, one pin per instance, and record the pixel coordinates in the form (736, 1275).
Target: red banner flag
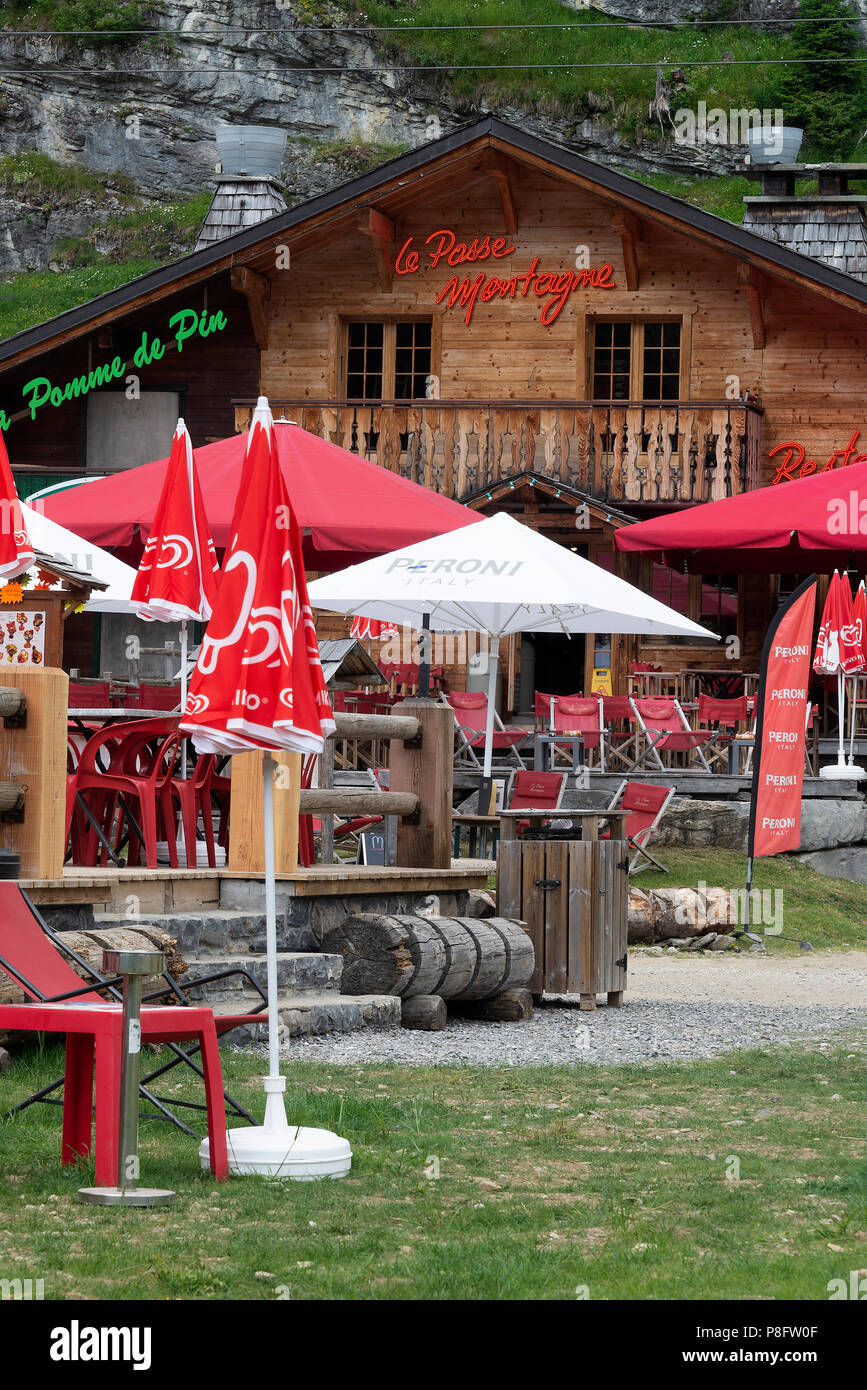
(781, 726)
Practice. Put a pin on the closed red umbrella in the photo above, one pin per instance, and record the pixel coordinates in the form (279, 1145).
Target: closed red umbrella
(808, 524)
(177, 577)
(347, 508)
(838, 653)
(859, 609)
(372, 627)
(16, 552)
(258, 684)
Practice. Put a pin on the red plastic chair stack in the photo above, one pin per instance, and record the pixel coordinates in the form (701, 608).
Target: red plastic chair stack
(137, 773)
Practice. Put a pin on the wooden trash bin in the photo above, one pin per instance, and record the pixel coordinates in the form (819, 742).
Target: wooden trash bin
(573, 896)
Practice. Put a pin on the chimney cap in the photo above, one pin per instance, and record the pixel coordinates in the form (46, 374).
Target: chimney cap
(250, 150)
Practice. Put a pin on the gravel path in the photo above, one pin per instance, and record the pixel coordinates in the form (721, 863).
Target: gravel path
(676, 1008)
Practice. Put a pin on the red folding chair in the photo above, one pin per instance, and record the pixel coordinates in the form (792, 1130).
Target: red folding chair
(89, 695)
(35, 958)
(167, 697)
(536, 791)
(544, 707)
(721, 715)
(471, 715)
(621, 735)
(646, 806)
(574, 714)
(666, 730)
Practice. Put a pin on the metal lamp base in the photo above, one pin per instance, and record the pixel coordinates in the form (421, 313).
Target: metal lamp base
(127, 1197)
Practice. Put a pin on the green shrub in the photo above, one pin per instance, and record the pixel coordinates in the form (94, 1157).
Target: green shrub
(826, 98)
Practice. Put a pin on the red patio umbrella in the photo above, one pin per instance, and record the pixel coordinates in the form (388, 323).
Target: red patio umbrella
(372, 627)
(258, 684)
(810, 524)
(838, 653)
(177, 576)
(16, 552)
(347, 508)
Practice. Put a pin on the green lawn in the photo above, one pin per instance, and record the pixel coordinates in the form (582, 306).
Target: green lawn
(829, 912)
(552, 1181)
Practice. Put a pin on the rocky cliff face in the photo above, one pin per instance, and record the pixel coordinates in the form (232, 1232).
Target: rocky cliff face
(149, 111)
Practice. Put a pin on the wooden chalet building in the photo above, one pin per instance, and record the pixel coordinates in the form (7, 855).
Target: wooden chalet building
(502, 320)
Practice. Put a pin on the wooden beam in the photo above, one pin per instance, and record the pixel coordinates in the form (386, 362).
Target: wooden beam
(628, 227)
(256, 289)
(753, 282)
(502, 172)
(383, 234)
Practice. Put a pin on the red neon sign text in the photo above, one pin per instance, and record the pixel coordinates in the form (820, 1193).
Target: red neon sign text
(467, 292)
(795, 463)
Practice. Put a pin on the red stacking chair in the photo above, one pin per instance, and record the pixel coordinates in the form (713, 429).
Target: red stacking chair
(621, 735)
(89, 695)
(195, 796)
(646, 805)
(471, 714)
(579, 714)
(33, 956)
(136, 774)
(666, 729)
(721, 715)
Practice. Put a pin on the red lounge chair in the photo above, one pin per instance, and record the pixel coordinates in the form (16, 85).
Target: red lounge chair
(32, 955)
(574, 714)
(89, 695)
(621, 735)
(471, 713)
(721, 715)
(536, 791)
(666, 729)
(646, 805)
(167, 697)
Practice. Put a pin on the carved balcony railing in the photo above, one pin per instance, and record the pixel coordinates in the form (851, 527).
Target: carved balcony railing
(636, 451)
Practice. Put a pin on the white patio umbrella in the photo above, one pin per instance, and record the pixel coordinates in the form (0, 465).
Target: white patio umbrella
(55, 541)
(496, 577)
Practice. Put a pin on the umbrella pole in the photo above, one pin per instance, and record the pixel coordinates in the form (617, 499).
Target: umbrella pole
(275, 1084)
(841, 717)
(424, 659)
(853, 701)
(493, 665)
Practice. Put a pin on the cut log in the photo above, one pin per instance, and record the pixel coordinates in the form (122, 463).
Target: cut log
(12, 702)
(455, 957)
(512, 1006)
(11, 797)
(345, 801)
(425, 1011)
(399, 726)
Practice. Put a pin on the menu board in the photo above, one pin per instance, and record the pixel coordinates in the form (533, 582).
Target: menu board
(22, 637)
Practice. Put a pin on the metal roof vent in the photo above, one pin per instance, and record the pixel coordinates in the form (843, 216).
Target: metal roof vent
(251, 151)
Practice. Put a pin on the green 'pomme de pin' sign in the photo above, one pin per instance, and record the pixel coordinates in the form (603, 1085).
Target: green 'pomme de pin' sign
(186, 324)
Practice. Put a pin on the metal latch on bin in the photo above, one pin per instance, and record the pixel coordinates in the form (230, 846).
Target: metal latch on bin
(546, 884)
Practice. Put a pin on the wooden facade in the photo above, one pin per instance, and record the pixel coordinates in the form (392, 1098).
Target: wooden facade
(504, 407)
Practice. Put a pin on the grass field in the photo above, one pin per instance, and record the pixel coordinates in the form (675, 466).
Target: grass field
(554, 1183)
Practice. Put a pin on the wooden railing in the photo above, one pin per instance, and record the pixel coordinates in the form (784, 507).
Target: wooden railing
(637, 451)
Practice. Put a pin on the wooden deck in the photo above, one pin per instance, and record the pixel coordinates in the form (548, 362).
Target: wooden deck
(168, 890)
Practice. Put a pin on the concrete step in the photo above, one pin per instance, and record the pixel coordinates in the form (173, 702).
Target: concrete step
(220, 931)
(305, 1014)
(298, 972)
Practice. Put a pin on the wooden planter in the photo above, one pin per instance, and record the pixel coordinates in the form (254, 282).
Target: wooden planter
(572, 894)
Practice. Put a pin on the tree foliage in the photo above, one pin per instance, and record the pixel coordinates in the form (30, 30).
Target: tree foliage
(825, 97)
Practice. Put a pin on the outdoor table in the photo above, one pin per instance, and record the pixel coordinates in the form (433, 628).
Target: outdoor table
(543, 749)
(480, 828)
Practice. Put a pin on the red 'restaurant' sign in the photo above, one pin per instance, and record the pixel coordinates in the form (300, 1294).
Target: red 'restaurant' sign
(467, 290)
(781, 710)
(795, 463)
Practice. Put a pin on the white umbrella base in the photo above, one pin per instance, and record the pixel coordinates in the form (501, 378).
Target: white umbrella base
(302, 1154)
(842, 772)
(127, 1197)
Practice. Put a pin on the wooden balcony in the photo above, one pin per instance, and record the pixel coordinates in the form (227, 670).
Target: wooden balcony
(629, 451)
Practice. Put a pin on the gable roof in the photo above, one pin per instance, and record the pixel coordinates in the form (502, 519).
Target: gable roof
(392, 179)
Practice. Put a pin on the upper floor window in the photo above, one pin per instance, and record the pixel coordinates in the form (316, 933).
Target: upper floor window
(636, 359)
(388, 360)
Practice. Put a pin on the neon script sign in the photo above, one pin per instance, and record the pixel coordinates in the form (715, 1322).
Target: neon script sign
(442, 246)
(186, 324)
(795, 463)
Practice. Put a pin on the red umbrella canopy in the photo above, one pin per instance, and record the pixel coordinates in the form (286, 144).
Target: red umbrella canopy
(837, 647)
(16, 552)
(859, 609)
(258, 682)
(372, 627)
(795, 527)
(347, 508)
(177, 577)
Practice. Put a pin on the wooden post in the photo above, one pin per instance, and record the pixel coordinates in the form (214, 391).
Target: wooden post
(35, 756)
(246, 821)
(426, 768)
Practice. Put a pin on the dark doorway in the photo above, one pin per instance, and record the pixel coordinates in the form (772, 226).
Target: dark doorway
(557, 665)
